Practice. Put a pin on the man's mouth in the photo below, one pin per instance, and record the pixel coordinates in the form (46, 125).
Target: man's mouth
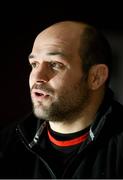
(38, 94)
(41, 94)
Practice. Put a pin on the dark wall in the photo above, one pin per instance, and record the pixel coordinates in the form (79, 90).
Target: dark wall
(20, 23)
(116, 42)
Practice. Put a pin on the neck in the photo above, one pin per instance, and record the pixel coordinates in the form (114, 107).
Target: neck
(66, 128)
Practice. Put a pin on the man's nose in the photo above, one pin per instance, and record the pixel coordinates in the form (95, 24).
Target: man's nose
(42, 74)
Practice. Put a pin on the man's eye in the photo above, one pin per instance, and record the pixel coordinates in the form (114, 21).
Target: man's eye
(56, 65)
(33, 64)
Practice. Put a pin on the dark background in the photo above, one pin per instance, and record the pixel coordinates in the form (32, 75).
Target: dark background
(19, 25)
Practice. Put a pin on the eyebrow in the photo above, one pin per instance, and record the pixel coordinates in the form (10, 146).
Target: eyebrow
(31, 56)
(54, 53)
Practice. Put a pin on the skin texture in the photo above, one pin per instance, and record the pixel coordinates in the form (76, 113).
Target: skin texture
(69, 101)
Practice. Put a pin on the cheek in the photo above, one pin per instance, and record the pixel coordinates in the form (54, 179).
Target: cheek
(58, 81)
(62, 82)
(30, 80)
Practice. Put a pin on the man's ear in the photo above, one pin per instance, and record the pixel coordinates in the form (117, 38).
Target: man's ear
(98, 74)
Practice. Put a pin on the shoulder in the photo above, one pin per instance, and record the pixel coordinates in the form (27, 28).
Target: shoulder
(117, 115)
(117, 107)
(116, 123)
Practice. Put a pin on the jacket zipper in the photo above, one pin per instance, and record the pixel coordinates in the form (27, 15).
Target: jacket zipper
(24, 141)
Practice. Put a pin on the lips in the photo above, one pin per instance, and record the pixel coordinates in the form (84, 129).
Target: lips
(39, 94)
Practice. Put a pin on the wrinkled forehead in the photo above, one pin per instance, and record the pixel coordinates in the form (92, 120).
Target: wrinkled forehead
(53, 45)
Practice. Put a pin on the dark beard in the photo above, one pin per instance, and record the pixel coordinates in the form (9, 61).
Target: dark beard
(67, 107)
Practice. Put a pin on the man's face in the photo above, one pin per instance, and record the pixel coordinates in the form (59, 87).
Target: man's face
(58, 88)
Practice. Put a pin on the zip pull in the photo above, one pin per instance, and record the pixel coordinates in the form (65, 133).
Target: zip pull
(37, 135)
(91, 134)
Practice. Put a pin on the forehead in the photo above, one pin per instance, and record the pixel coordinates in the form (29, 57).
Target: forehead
(45, 52)
(55, 43)
(52, 48)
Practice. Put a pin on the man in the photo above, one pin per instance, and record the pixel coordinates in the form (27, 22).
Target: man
(76, 130)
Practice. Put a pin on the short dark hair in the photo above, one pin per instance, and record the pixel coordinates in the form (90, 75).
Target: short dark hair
(94, 49)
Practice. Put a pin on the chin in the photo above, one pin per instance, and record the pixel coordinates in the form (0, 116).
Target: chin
(39, 112)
